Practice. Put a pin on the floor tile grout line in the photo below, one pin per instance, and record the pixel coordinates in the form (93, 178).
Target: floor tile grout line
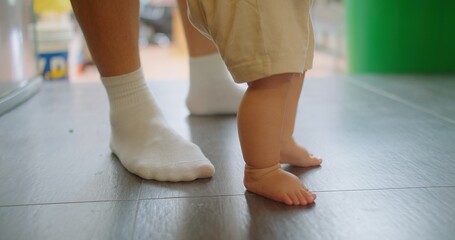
(137, 210)
(204, 196)
(140, 190)
(322, 191)
(398, 99)
(62, 203)
(214, 196)
(381, 189)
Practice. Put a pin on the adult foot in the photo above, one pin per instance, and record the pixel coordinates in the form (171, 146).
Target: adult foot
(278, 185)
(142, 139)
(149, 148)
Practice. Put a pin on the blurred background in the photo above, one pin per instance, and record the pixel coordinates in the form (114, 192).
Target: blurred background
(163, 47)
(40, 39)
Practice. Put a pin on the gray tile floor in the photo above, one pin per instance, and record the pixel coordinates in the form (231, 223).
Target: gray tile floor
(389, 172)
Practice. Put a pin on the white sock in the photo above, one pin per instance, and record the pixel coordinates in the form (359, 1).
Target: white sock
(212, 90)
(141, 138)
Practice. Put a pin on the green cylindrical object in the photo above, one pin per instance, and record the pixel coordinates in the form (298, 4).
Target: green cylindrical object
(401, 36)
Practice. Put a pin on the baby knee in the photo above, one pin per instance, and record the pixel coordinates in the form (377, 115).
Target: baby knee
(274, 81)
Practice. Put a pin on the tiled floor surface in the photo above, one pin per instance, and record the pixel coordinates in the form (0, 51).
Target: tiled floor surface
(388, 173)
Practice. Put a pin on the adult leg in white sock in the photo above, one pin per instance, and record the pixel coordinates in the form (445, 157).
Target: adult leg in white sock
(141, 138)
(212, 90)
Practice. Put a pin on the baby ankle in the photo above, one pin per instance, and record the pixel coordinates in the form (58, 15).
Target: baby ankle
(253, 173)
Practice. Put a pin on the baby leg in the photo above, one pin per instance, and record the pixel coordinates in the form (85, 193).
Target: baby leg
(291, 152)
(261, 118)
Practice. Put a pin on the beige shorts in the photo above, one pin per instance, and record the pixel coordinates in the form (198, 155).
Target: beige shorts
(257, 38)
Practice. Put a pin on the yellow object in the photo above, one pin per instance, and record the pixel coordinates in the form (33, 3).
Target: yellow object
(40, 6)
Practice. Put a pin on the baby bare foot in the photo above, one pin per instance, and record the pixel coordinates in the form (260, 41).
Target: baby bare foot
(293, 154)
(278, 185)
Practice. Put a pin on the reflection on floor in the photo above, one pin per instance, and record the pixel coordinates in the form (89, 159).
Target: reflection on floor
(388, 172)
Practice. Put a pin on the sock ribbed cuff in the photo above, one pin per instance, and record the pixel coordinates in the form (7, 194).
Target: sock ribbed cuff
(121, 79)
(126, 90)
(211, 65)
(211, 58)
